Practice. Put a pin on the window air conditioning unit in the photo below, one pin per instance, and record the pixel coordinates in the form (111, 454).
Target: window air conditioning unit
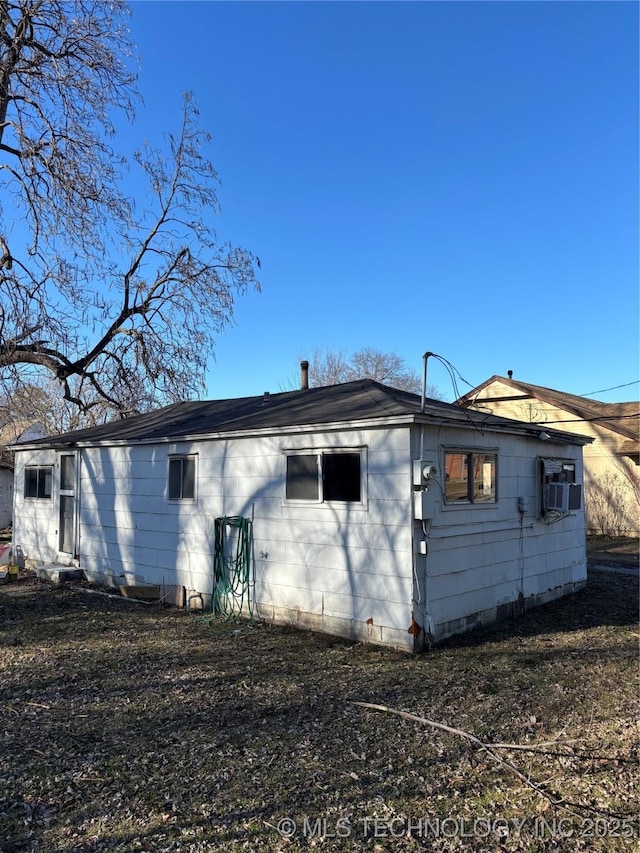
(563, 497)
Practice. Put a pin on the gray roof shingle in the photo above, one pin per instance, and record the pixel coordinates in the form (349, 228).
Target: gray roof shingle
(358, 401)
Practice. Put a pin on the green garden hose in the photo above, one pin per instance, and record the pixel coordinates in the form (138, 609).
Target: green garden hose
(232, 577)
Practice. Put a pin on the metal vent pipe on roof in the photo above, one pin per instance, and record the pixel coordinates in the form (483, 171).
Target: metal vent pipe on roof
(304, 374)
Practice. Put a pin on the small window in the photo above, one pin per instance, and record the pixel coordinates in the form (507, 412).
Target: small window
(182, 478)
(470, 477)
(323, 477)
(37, 482)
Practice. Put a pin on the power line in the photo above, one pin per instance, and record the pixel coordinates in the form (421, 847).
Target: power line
(583, 420)
(602, 390)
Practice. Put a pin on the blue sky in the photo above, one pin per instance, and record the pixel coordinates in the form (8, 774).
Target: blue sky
(457, 177)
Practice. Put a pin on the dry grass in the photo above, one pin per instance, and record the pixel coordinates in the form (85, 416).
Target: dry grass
(131, 728)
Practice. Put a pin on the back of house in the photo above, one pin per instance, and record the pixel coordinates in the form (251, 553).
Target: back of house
(356, 509)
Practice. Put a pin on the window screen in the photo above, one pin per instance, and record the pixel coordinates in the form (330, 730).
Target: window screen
(302, 477)
(67, 472)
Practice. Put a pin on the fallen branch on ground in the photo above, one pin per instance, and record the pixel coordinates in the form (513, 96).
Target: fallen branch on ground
(576, 809)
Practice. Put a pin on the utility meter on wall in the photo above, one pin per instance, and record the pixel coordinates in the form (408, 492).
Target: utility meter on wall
(423, 471)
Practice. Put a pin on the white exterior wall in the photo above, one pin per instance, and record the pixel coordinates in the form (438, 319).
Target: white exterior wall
(344, 569)
(486, 561)
(35, 521)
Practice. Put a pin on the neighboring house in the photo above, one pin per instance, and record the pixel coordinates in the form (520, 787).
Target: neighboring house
(611, 462)
(10, 434)
(365, 513)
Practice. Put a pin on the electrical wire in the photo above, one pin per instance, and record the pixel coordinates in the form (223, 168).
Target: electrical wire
(613, 388)
(583, 420)
(454, 374)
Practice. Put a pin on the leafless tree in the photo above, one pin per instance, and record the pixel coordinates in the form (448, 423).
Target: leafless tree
(42, 400)
(119, 303)
(330, 367)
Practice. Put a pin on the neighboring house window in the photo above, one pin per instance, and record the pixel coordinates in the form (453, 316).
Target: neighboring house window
(470, 477)
(182, 478)
(324, 476)
(37, 482)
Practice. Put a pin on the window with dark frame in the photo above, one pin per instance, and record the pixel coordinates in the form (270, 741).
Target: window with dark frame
(324, 476)
(182, 478)
(470, 477)
(37, 482)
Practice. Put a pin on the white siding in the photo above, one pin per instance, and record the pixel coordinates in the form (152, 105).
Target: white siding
(348, 569)
(35, 522)
(487, 561)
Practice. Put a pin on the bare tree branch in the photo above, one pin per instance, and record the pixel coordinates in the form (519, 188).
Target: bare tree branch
(116, 307)
(574, 808)
(330, 367)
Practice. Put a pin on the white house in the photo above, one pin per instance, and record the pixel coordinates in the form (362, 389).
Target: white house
(355, 509)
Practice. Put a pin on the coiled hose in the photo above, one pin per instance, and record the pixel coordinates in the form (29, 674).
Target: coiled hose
(232, 577)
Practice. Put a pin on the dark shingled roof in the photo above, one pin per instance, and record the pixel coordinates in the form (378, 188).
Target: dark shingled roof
(362, 400)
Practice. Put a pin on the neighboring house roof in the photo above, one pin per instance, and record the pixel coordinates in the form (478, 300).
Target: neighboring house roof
(360, 403)
(17, 432)
(623, 418)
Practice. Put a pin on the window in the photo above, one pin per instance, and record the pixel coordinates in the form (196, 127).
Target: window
(302, 478)
(37, 482)
(324, 476)
(67, 473)
(182, 478)
(470, 477)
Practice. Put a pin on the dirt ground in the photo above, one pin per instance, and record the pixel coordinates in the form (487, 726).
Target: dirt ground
(132, 728)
